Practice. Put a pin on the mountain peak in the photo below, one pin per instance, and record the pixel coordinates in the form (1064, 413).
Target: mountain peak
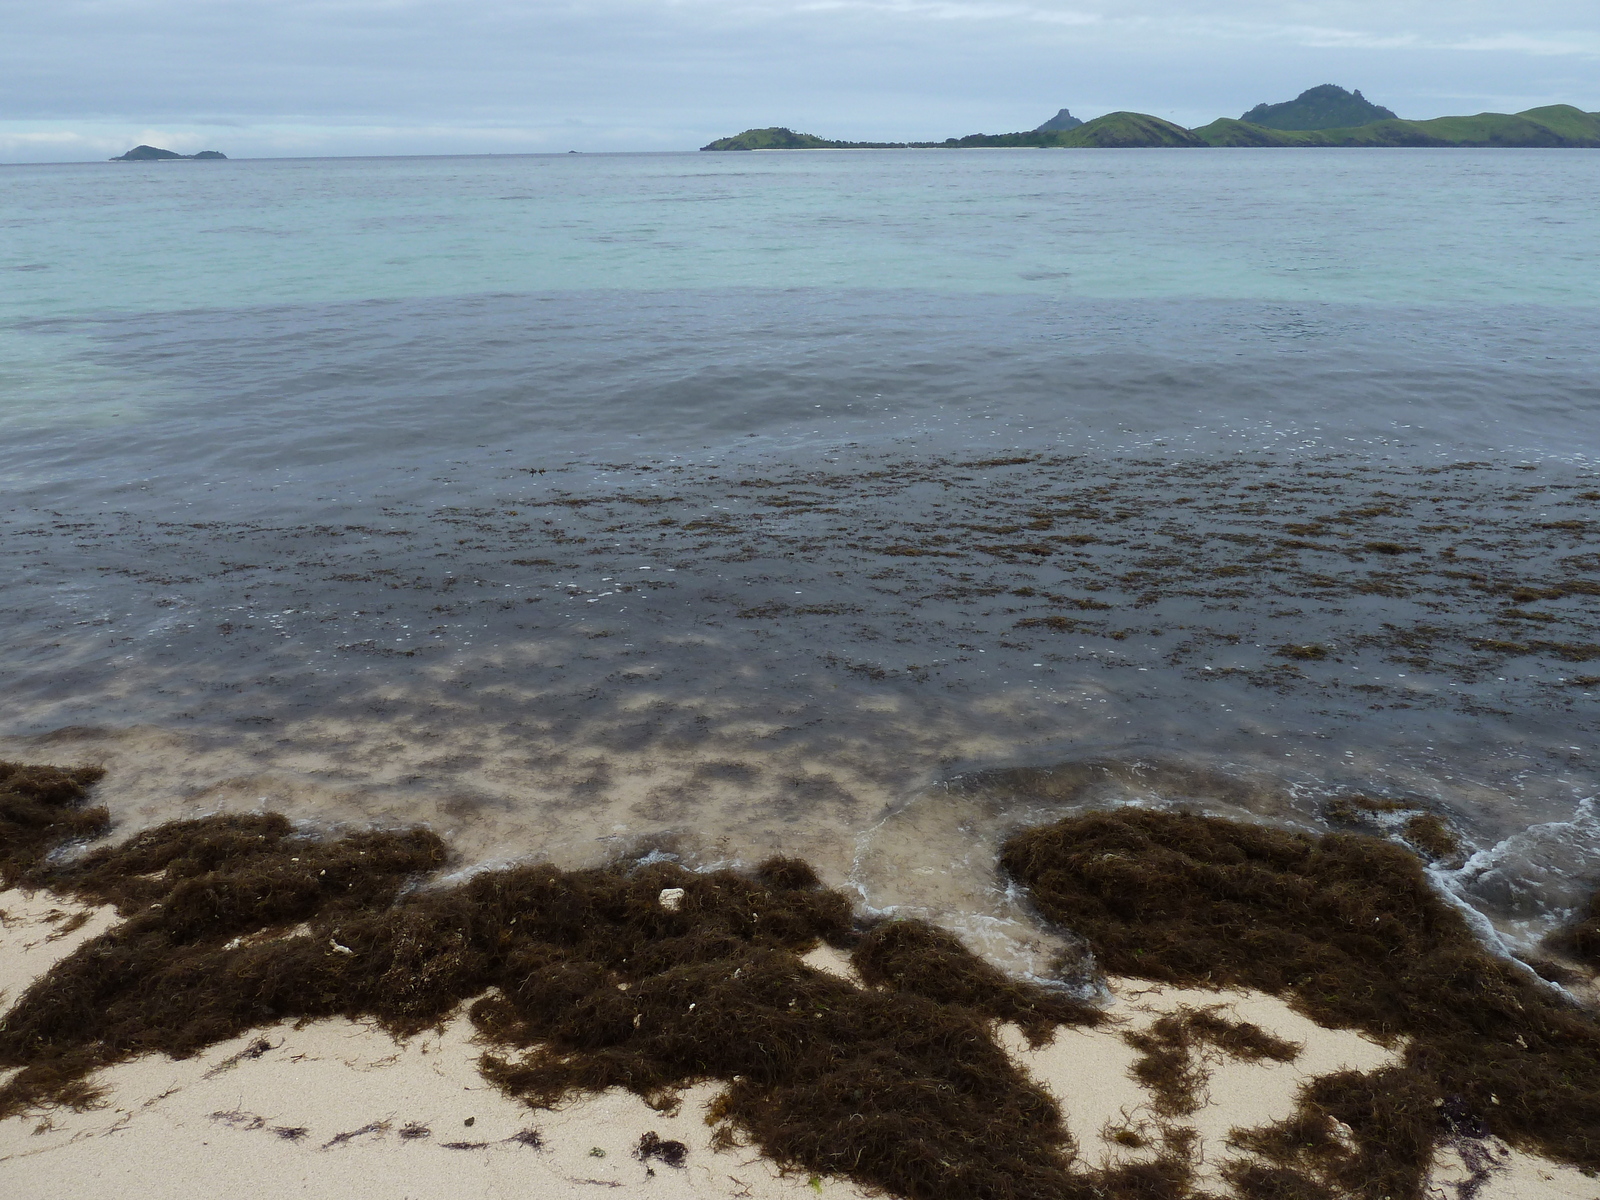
(1062, 120)
(1326, 106)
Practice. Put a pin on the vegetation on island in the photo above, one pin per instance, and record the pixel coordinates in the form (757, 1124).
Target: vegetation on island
(1321, 116)
(1325, 107)
(778, 137)
(1559, 126)
(156, 154)
(1118, 129)
(1113, 129)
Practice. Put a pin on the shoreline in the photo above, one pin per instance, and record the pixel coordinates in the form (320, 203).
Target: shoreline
(340, 1108)
(861, 1054)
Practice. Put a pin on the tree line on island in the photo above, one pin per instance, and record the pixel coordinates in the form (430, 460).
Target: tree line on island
(1321, 116)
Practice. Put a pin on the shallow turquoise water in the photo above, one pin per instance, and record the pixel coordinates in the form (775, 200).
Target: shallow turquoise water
(1400, 227)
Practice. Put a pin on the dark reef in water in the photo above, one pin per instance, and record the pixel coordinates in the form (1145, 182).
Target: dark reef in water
(585, 980)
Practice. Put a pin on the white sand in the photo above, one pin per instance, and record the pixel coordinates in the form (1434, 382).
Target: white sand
(36, 933)
(337, 1109)
(1088, 1070)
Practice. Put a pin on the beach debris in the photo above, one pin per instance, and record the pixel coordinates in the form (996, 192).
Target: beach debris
(671, 898)
(236, 1119)
(343, 1139)
(652, 1145)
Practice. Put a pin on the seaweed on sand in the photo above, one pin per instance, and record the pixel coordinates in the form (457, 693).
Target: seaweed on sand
(1348, 929)
(578, 980)
(1172, 1049)
(583, 980)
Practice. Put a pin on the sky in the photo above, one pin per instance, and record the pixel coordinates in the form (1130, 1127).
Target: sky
(85, 79)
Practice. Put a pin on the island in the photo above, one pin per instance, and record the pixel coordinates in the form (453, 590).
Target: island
(1326, 115)
(156, 154)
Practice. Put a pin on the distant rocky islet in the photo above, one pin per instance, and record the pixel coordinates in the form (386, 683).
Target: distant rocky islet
(156, 154)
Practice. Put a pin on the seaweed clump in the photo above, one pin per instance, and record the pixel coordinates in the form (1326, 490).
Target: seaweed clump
(1347, 928)
(41, 810)
(1424, 831)
(577, 980)
(1581, 937)
(913, 956)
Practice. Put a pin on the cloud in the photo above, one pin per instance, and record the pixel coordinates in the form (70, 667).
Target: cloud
(384, 76)
(936, 10)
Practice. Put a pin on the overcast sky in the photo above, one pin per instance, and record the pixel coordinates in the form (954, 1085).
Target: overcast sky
(83, 79)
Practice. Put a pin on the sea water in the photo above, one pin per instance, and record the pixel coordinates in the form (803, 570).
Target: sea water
(860, 505)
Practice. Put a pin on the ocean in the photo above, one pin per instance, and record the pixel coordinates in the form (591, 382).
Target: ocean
(864, 506)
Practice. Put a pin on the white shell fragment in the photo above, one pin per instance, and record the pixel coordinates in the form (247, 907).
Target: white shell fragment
(671, 899)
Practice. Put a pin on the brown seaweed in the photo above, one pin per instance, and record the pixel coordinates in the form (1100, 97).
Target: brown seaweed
(579, 980)
(1348, 929)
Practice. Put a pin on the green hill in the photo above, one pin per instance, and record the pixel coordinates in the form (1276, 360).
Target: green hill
(1566, 120)
(779, 138)
(1324, 107)
(1129, 130)
(1118, 130)
(1558, 126)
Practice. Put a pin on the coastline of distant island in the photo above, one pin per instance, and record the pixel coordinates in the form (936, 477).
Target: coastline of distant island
(1326, 115)
(156, 154)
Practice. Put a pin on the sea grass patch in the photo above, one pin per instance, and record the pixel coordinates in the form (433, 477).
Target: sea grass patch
(1347, 928)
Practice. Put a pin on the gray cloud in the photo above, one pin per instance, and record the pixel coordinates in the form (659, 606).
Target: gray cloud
(82, 77)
